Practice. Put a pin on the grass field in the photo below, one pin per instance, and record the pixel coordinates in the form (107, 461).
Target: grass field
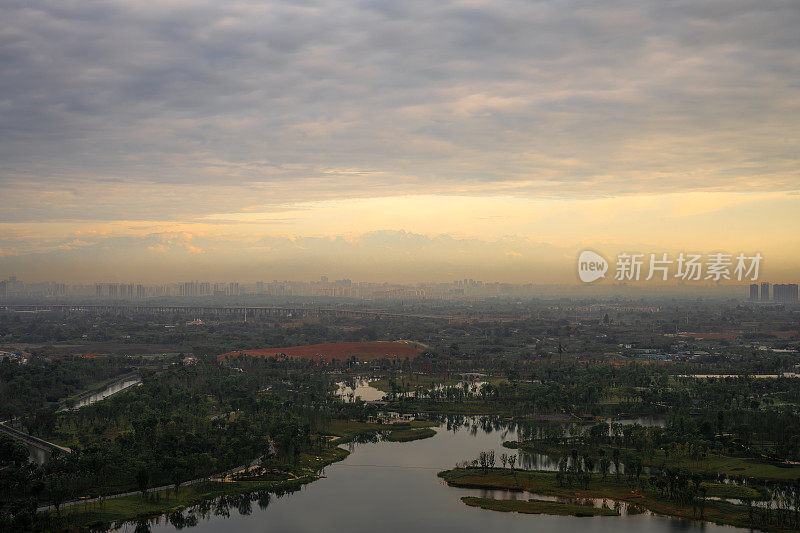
(731, 491)
(534, 506)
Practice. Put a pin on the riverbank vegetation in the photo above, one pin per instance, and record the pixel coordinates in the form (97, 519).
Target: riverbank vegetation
(667, 493)
(185, 422)
(35, 390)
(534, 506)
(175, 499)
(689, 443)
(406, 435)
(347, 430)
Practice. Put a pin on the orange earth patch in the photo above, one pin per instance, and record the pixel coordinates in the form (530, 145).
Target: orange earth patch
(335, 350)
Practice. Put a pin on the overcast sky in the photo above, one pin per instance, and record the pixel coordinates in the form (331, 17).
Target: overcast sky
(393, 140)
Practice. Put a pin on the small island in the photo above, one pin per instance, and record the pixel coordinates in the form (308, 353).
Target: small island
(534, 506)
(601, 495)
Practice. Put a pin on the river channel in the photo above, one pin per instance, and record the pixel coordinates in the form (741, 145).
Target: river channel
(391, 487)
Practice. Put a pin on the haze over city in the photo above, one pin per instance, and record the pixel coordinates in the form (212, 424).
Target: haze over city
(402, 142)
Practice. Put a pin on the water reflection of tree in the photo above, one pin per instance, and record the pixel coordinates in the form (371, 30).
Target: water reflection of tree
(243, 503)
(263, 500)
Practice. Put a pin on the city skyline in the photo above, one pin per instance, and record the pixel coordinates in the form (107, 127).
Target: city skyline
(15, 289)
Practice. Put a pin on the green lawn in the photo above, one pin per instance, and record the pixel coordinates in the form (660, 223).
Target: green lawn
(731, 491)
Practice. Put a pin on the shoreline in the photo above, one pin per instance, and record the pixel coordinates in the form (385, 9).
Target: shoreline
(546, 484)
(160, 501)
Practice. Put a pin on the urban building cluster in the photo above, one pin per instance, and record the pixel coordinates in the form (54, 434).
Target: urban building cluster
(344, 288)
(781, 292)
(13, 288)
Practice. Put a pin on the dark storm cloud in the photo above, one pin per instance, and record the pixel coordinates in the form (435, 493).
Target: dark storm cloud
(269, 101)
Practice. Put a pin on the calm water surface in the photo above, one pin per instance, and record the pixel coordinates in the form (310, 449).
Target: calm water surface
(111, 390)
(361, 390)
(392, 487)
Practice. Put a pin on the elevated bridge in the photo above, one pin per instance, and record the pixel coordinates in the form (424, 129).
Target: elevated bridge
(40, 450)
(242, 311)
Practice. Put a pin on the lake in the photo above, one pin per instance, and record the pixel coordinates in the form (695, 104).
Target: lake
(361, 390)
(392, 487)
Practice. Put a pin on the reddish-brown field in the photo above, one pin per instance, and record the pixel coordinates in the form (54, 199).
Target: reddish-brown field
(336, 350)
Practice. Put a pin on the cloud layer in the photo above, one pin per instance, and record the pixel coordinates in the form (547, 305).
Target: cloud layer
(179, 112)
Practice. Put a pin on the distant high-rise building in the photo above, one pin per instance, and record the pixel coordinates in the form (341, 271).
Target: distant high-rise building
(786, 292)
(764, 292)
(113, 290)
(3, 289)
(126, 290)
(190, 288)
(58, 289)
(754, 291)
(233, 289)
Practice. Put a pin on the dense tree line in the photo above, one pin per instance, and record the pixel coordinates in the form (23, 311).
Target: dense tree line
(186, 422)
(40, 385)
